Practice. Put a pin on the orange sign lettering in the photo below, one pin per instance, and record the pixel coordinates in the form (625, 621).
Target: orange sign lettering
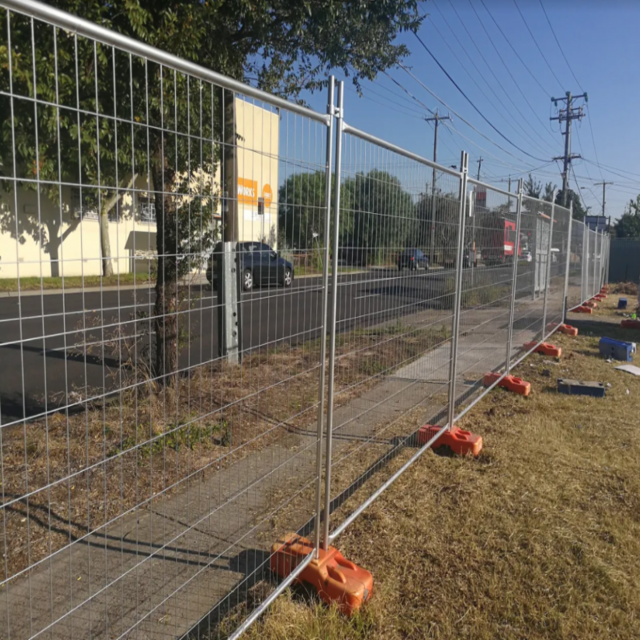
(267, 194)
(247, 191)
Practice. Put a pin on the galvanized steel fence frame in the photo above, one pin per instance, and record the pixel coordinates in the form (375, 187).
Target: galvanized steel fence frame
(421, 343)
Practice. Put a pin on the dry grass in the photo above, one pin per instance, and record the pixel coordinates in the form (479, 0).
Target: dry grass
(148, 439)
(630, 288)
(539, 538)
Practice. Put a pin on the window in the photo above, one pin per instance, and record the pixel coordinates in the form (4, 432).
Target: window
(146, 210)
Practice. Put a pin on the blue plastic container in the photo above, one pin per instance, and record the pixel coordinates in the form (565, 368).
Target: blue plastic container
(622, 303)
(616, 349)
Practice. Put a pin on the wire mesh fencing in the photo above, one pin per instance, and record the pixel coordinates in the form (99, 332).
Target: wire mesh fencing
(194, 386)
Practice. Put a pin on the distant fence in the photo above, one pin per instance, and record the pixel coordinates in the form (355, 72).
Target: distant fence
(157, 440)
(624, 261)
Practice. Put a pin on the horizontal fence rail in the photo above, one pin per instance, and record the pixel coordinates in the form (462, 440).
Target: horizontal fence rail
(228, 317)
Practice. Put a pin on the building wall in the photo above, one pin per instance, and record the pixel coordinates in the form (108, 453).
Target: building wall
(624, 260)
(258, 130)
(55, 240)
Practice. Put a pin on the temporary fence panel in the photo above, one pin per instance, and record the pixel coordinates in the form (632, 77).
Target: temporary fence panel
(575, 288)
(487, 289)
(156, 438)
(555, 300)
(531, 283)
(394, 313)
(161, 430)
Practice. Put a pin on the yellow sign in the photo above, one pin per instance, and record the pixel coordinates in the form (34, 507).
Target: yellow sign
(267, 194)
(247, 191)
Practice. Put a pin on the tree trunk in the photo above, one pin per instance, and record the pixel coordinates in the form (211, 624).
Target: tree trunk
(105, 241)
(105, 244)
(230, 170)
(166, 305)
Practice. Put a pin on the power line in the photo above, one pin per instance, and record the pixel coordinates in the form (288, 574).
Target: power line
(586, 168)
(526, 24)
(524, 64)
(455, 84)
(560, 46)
(506, 112)
(412, 113)
(504, 64)
(506, 93)
(610, 170)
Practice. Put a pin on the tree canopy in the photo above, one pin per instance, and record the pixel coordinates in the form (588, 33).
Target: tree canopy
(284, 46)
(628, 226)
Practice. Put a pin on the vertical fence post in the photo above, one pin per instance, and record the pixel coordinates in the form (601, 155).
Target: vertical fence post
(453, 365)
(547, 274)
(514, 275)
(608, 262)
(585, 263)
(594, 280)
(339, 113)
(325, 306)
(568, 265)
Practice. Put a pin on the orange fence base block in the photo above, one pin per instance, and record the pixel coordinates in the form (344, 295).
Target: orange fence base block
(591, 304)
(336, 579)
(517, 385)
(600, 297)
(581, 309)
(459, 441)
(630, 324)
(605, 288)
(568, 330)
(545, 349)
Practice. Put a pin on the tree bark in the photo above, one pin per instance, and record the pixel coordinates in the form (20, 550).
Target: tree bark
(105, 241)
(230, 170)
(105, 244)
(166, 304)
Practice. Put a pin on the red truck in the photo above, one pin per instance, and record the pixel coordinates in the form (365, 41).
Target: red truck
(497, 241)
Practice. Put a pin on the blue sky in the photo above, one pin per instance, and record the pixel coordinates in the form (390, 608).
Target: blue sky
(601, 43)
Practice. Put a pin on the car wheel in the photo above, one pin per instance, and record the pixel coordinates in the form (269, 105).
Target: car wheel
(287, 277)
(247, 280)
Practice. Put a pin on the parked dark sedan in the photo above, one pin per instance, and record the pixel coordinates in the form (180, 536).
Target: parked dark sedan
(261, 265)
(412, 259)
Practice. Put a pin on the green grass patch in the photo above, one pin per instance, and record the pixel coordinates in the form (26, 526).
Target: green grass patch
(72, 282)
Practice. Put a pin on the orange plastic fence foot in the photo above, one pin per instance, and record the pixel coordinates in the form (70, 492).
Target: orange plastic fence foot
(517, 385)
(568, 330)
(336, 579)
(564, 328)
(545, 349)
(605, 288)
(600, 297)
(630, 324)
(581, 309)
(459, 441)
(591, 304)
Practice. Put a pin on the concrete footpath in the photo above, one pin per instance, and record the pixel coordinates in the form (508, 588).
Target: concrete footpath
(157, 572)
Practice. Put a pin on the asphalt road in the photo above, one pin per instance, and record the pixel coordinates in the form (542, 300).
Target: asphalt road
(57, 349)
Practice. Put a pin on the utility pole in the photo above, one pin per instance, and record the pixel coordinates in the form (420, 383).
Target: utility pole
(509, 184)
(479, 165)
(604, 192)
(567, 116)
(432, 245)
